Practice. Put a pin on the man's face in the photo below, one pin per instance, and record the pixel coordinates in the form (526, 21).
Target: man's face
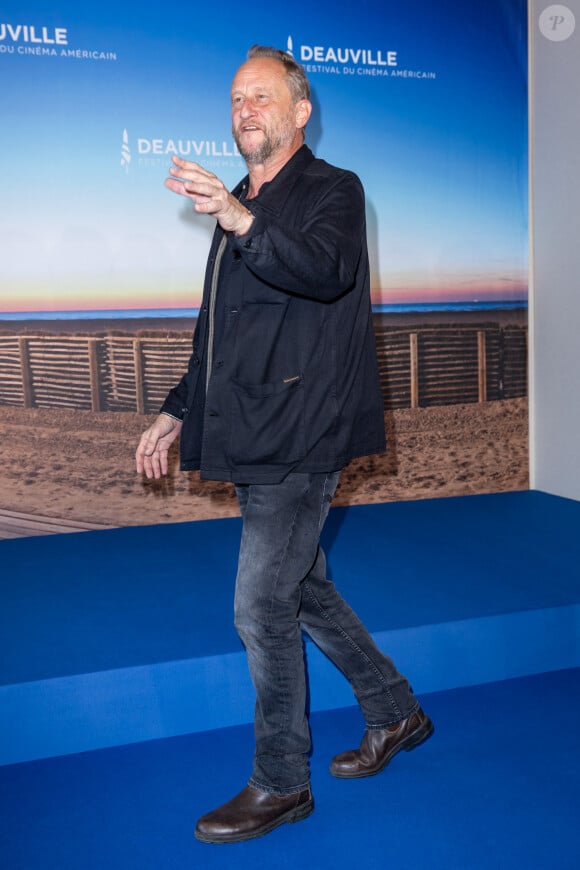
(264, 116)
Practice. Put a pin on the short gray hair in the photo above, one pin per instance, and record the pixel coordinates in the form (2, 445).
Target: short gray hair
(295, 76)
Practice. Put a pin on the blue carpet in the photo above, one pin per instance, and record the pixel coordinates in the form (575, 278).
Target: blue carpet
(100, 631)
(497, 786)
(133, 596)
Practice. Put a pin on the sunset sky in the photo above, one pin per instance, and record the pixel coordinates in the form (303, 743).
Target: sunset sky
(87, 224)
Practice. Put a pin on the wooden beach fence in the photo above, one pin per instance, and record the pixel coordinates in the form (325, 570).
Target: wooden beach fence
(419, 367)
(448, 365)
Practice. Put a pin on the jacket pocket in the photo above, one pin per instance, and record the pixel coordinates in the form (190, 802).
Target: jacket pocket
(268, 422)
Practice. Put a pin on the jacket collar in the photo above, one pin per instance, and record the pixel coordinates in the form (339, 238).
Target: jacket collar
(273, 194)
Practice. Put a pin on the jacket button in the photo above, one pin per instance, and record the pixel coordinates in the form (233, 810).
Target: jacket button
(248, 244)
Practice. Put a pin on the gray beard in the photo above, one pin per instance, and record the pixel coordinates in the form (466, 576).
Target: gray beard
(263, 151)
(259, 154)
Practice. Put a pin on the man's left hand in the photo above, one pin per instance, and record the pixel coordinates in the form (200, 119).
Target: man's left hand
(210, 195)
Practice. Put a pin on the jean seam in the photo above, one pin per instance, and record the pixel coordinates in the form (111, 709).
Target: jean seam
(322, 501)
(284, 720)
(355, 647)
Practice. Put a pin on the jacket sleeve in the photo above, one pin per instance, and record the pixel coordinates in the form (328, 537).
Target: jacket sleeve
(175, 402)
(317, 255)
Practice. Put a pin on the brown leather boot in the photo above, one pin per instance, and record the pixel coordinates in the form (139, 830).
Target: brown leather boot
(253, 813)
(378, 747)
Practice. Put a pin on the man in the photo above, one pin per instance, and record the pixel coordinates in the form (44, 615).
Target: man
(282, 391)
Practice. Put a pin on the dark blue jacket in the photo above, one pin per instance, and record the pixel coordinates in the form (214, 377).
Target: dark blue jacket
(294, 382)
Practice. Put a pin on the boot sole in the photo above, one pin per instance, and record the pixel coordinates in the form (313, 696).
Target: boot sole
(415, 739)
(290, 818)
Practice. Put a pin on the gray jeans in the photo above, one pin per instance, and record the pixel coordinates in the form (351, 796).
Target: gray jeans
(282, 588)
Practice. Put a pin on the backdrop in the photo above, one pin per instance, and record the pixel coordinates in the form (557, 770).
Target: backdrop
(426, 102)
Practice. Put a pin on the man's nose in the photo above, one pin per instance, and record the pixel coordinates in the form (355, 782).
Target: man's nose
(248, 108)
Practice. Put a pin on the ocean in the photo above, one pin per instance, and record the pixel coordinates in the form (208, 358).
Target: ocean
(176, 313)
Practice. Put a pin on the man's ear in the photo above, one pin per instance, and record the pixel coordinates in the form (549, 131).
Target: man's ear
(303, 111)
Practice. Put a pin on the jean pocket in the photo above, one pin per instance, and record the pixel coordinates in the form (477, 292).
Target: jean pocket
(268, 422)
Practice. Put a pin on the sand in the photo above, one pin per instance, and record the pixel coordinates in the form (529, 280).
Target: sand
(78, 465)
